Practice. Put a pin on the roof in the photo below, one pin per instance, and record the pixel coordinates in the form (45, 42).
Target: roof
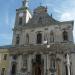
(6, 47)
(40, 18)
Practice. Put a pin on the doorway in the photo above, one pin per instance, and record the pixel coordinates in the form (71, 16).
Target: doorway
(13, 71)
(37, 66)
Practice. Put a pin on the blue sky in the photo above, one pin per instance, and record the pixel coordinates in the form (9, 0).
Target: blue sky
(62, 10)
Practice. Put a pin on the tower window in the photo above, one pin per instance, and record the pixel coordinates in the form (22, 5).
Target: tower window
(39, 38)
(27, 39)
(5, 56)
(3, 71)
(65, 36)
(51, 37)
(17, 39)
(20, 21)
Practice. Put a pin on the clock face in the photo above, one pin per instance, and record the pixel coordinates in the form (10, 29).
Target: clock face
(21, 14)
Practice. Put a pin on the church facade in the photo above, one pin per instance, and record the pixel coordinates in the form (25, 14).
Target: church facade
(41, 45)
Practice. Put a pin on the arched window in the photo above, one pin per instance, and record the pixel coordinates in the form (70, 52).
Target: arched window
(27, 39)
(51, 36)
(39, 38)
(65, 36)
(13, 71)
(17, 39)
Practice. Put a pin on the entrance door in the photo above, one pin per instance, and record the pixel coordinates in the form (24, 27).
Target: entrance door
(37, 67)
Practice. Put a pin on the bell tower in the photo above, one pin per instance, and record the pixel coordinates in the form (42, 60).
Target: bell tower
(23, 16)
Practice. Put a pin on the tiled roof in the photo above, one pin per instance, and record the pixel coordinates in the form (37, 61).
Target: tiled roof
(6, 46)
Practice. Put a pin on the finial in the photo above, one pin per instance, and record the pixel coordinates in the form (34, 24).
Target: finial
(25, 3)
(46, 9)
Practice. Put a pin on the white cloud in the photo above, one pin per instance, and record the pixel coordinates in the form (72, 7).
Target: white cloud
(66, 16)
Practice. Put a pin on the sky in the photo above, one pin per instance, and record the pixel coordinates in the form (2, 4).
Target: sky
(62, 10)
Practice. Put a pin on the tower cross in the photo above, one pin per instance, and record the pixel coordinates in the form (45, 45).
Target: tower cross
(25, 3)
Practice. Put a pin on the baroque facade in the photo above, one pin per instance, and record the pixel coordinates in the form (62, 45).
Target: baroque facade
(41, 45)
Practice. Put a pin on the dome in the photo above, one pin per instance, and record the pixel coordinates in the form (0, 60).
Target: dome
(40, 9)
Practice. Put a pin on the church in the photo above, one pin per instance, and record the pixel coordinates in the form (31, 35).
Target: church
(41, 45)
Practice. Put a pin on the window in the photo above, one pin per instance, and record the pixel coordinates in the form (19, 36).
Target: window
(39, 38)
(27, 39)
(51, 37)
(3, 71)
(40, 20)
(5, 56)
(65, 36)
(20, 21)
(17, 39)
(14, 57)
(13, 71)
(38, 58)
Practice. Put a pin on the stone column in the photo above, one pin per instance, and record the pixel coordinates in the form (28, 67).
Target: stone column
(46, 68)
(19, 65)
(29, 64)
(44, 56)
(58, 67)
(48, 64)
(68, 63)
(9, 66)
